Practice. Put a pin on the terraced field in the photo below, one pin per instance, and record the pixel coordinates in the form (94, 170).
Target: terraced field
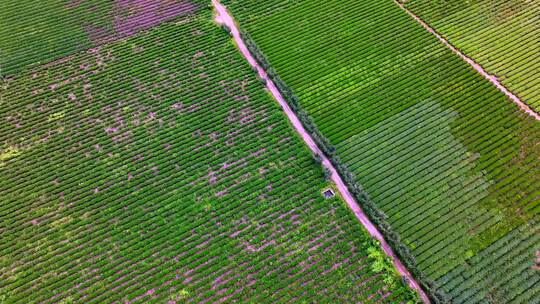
(501, 35)
(446, 155)
(156, 169)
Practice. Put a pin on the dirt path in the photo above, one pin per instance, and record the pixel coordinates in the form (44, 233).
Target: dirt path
(223, 17)
(492, 78)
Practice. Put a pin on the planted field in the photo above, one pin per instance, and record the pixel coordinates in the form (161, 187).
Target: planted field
(156, 169)
(34, 32)
(501, 35)
(446, 155)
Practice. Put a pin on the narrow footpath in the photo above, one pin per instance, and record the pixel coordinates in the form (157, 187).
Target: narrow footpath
(492, 78)
(223, 17)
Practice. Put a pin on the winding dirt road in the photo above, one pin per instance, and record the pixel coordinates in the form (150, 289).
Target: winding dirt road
(492, 78)
(223, 17)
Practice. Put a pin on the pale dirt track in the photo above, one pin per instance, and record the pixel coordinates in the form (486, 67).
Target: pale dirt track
(492, 78)
(223, 17)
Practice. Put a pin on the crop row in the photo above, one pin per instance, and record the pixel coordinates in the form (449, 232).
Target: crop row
(500, 35)
(447, 157)
(35, 33)
(163, 172)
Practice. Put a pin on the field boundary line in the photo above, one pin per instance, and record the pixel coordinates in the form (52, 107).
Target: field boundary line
(492, 78)
(224, 17)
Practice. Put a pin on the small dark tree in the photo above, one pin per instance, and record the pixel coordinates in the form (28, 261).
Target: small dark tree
(327, 173)
(227, 29)
(317, 158)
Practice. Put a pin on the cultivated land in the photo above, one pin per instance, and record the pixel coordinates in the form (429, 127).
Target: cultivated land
(447, 156)
(35, 31)
(501, 35)
(224, 17)
(156, 169)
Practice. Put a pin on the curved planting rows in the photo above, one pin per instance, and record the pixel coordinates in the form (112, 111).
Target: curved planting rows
(156, 169)
(501, 35)
(448, 157)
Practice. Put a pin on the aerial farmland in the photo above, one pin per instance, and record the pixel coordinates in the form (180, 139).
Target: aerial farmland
(242, 151)
(502, 36)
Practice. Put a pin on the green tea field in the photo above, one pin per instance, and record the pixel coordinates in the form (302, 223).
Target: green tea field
(157, 169)
(452, 162)
(36, 32)
(278, 151)
(501, 35)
